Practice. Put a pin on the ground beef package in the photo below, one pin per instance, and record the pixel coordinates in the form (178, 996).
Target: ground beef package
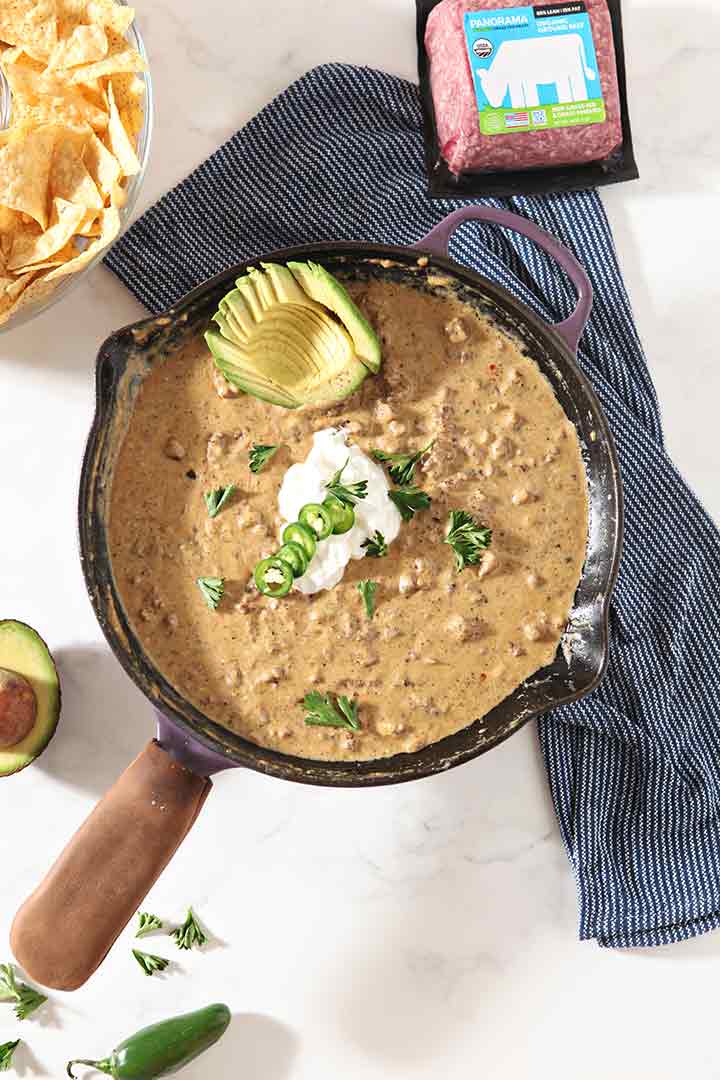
(523, 99)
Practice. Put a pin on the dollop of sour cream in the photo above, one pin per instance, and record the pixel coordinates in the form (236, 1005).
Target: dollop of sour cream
(305, 482)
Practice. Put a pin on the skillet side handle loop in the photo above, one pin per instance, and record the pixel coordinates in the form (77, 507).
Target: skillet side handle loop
(437, 240)
(64, 930)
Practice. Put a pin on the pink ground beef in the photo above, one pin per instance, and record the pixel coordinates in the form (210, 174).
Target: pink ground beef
(464, 147)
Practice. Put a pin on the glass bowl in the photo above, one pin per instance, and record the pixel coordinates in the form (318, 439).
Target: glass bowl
(134, 183)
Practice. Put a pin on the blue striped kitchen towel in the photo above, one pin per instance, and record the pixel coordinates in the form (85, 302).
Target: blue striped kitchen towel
(634, 768)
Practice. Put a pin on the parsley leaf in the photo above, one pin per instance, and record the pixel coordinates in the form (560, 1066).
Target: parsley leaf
(212, 589)
(322, 713)
(367, 591)
(467, 537)
(375, 545)
(215, 500)
(401, 466)
(149, 963)
(6, 1054)
(409, 500)
(26, 999)
(347, 494)
(260, 455)
(147, 923)
(190, 933)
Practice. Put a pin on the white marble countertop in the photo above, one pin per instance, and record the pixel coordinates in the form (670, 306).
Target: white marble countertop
(417, 932)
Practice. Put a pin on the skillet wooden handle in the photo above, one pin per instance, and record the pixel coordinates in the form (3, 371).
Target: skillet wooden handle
(64, 930)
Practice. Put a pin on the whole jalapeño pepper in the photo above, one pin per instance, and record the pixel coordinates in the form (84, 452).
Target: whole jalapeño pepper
(162, 1048)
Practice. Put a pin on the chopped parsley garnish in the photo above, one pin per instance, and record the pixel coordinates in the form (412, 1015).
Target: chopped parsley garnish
(190, 933)
(375, 545)
(6, 1054)
(26, 999)
(401, 466)
(467, 537)
(409, 500)
(215, 500)
(212, 589)
(347, 494)
(367, 591)
(147, 924)
(322, 713)
(260, 455)
(149, 963)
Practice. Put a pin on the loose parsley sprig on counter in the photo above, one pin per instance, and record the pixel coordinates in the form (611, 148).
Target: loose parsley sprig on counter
(212, 589)
(147, 923)
(190, 933)
(260, 455)
(347, 494)
(401, 466)
(409, 500)
(467, 537)
(26, 999)
(149, 963)
(367, 590)
(375, 545)
(215, 500)
(322, 713)
(6, 1054)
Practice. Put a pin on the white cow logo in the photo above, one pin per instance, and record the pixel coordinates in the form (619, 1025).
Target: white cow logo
(522, 65)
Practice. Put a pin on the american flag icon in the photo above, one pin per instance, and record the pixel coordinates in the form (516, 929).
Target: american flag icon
(517, 119)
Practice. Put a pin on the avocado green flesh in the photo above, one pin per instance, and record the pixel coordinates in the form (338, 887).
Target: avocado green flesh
(322, 287)
(231, 363)
(22, 650)
(295, 353)
(292, 336)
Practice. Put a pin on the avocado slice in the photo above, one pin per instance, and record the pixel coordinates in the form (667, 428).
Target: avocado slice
(29, 696)
(322, 287)
(273, 341)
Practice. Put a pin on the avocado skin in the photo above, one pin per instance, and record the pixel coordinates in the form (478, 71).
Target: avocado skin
(273, 341)
(321, 286)
(23, 650)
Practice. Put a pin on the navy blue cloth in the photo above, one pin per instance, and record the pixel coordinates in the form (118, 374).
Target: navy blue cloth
(634, 768)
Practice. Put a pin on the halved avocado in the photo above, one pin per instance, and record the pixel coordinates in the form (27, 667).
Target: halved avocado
(29, 696)
(273, 341)
(322, 287)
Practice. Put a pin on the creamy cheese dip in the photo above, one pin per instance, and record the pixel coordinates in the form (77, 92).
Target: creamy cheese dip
(443, 647)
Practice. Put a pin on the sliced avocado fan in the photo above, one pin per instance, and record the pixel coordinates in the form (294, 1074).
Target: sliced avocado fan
(322, 287)
(29, 696)
(275, 341)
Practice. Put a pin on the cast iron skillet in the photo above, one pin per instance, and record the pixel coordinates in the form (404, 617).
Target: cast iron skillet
(66, 927)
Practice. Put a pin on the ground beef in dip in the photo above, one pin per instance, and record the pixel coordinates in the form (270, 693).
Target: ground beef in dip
(444, 647)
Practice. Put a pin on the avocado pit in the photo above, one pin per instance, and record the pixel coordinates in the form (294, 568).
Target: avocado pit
(18, 708)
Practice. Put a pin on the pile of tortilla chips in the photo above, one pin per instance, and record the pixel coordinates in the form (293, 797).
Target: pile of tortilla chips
(77, 107)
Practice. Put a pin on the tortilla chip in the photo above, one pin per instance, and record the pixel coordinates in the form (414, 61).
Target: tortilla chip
(129, 91)
(85, 45)
(46, 98)
(109, 228)
(127, 60)
(116, 17)
(24, 171)
(33, 292)
(89, 226)
(102, 166)
(10, 291)
(62, 256)
(69, 177)
(29, 22)
(118, 140)
(64, 220)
